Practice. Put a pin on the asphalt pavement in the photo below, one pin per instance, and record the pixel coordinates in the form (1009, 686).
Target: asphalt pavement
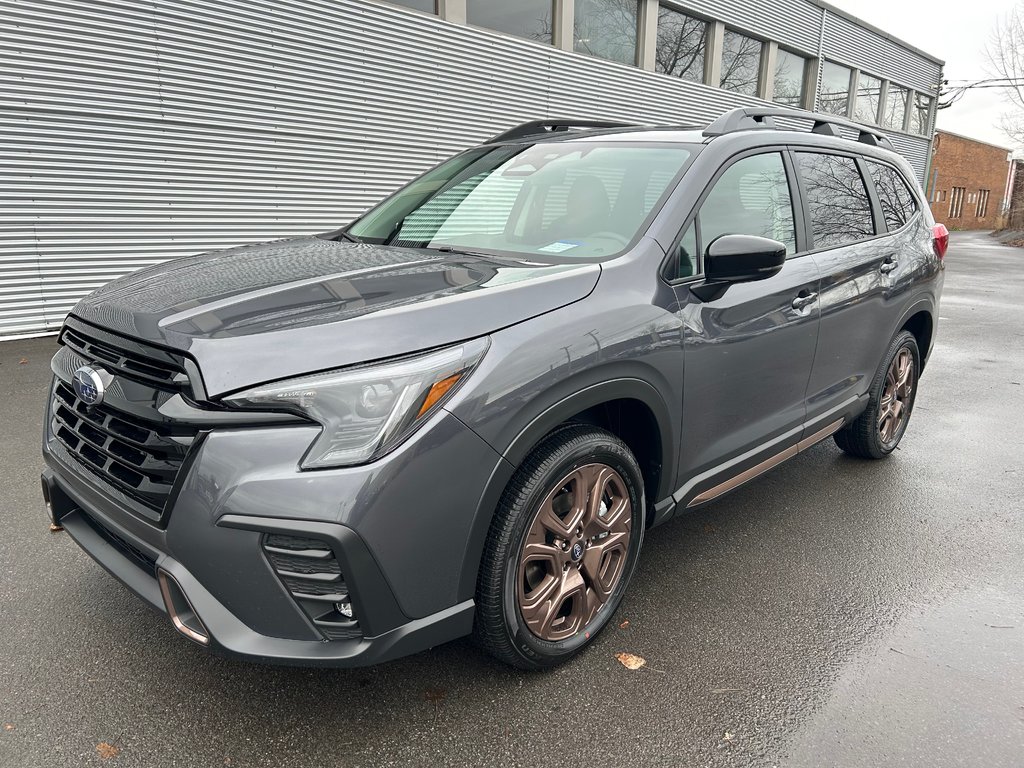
(833, 612)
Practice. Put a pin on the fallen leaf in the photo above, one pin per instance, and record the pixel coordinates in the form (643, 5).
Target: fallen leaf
(434, 695)
(54, 528)
(23, 361)
(624, 625)
(9, 726)
(107, 751)
(630, 660)
(728, 737)
(709, 528)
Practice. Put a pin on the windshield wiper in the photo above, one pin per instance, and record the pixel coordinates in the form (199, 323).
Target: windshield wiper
(344, 235)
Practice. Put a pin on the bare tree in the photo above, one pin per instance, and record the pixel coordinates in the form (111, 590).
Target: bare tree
(682, 41)
(1005, 52)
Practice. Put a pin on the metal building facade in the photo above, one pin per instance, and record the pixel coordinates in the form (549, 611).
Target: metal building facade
(133, 131)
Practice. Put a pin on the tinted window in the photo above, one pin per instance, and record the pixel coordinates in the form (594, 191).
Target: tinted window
(741, 63)
(869, 92)
(837, 199)
(524, 18)
(750, 198)
(895, 107)
(897, 201)
(919, 118)
(835, 88)
(789, 79)
(607, 28)
(682, 42)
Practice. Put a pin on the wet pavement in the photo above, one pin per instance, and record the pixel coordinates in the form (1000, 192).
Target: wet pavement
(833, 612)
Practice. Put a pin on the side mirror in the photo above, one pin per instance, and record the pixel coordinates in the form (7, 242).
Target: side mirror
(738, 259)
(742, 259)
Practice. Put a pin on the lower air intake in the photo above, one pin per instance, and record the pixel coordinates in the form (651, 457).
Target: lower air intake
(310, 571)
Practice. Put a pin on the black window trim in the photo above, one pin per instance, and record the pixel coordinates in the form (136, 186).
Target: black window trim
(799, 225)
(870, 187)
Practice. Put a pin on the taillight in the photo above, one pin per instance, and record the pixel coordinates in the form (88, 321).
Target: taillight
(940, 238)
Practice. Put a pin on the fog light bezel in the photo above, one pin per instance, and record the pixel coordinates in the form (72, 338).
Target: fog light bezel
(180, 610)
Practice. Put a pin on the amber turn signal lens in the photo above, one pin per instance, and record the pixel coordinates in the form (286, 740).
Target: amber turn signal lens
(439, 390)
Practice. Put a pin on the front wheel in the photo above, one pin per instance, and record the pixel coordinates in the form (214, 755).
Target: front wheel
(561, 549)
(876, 432)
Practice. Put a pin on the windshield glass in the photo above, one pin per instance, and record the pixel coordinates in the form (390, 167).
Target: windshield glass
(583, 200)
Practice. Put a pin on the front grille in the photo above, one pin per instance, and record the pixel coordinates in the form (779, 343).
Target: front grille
(157, 368)
(141, 459)
(310, 571)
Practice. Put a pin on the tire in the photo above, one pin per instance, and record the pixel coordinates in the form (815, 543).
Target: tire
(870, 436)
(543, 596)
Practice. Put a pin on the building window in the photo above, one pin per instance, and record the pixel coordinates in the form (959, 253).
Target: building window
(741, 63)
(427, 6)
(869, 92)
(895, 107)
(835, 88)
(919, 118)
(956, 202)
(526, 18)
(607, 29)
(682, 45)
(982, 210)
(789, 76)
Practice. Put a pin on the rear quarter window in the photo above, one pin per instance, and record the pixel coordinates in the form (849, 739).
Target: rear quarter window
(898, 203)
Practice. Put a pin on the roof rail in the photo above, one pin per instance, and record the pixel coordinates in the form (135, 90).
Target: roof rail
(748, 118)
(535, 127)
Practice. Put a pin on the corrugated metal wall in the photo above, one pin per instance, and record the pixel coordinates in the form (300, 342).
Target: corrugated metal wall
(134, 131)
(858, 47)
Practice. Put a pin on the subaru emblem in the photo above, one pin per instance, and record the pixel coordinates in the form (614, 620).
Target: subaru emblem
(88, 385)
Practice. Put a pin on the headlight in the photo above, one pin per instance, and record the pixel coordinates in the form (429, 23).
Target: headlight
(367, 411)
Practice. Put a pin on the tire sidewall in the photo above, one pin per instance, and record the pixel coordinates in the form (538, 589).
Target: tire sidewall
(543, 653)
(905, 340)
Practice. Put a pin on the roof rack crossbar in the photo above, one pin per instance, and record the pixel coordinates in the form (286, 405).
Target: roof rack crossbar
(536, 127)
(748, 118)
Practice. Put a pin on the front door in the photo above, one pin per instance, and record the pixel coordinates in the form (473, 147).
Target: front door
(748, 353)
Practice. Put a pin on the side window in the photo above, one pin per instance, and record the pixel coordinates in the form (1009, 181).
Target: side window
(686, 265)
(750, 198)
(897, 201)
(837, 199)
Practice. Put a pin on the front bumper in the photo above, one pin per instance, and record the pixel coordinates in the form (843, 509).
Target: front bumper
(399, 530)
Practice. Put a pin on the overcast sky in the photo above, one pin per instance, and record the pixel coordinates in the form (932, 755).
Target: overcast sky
(957, 33)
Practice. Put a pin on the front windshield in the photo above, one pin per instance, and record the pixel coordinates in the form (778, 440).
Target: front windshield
(585, 200)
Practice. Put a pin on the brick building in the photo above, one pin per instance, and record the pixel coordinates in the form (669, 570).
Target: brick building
(967, 184)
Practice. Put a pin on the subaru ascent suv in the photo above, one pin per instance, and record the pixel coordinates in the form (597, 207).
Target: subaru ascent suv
(462, 413)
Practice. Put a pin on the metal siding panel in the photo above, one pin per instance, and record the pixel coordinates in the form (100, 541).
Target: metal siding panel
(134, 132)
(793, 23)
(864, 49)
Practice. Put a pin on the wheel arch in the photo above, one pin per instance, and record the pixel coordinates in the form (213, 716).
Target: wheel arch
(627, 407)
(919, 319)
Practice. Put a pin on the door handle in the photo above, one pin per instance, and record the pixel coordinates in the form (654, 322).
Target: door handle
(888, 265)
(804, 300)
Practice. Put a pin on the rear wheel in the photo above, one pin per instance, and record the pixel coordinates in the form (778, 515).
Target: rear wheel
(561, 549)
(876, 432)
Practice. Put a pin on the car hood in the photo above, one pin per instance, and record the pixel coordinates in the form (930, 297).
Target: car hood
(269, 311)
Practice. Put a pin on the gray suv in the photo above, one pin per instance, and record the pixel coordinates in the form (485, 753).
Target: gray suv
(462, 413)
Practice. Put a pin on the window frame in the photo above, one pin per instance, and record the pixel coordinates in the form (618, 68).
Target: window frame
(918, 203)
(799, 225)
(865, 177)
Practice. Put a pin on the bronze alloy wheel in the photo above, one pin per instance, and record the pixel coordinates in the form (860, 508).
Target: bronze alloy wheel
(575, 552)
(896, 397)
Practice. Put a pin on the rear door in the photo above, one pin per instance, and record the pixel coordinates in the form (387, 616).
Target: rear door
(747, 353)
(856, 258)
